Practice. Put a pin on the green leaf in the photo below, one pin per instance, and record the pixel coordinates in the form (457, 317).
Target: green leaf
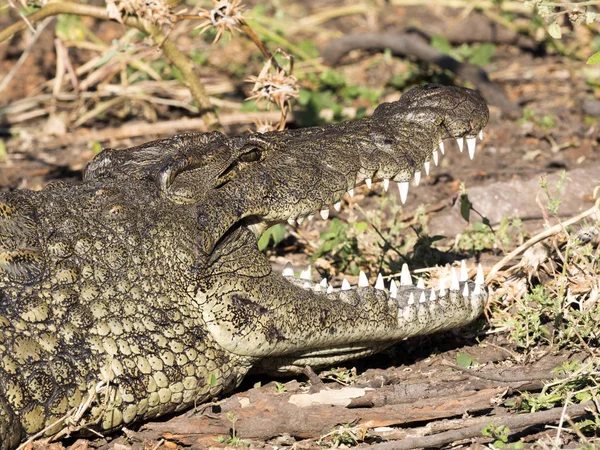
(69, 27)
(212, 381)
(304, 97)
(554, 30)
(482, 54)
(464, 360)
(465, 207)
(441, 44)
(105, 58)
(583, 396)
(275, 234)
(594, 59)
(309, 48)
(361, 226)
(96, 147)
(333, 78)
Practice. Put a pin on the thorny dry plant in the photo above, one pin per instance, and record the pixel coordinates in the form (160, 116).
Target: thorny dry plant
(225, 16)
(274, 85)
(154, 11)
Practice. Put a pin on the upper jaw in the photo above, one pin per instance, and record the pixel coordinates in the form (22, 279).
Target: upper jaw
(307, 171)
(365, 177)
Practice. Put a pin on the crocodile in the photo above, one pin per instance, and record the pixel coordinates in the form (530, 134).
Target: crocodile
(140, 290)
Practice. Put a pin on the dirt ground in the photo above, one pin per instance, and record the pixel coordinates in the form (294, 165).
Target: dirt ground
(413, 391)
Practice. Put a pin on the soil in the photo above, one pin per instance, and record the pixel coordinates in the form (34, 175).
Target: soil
(557, 130)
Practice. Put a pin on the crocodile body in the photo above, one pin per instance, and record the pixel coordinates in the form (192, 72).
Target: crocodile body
(140, 291)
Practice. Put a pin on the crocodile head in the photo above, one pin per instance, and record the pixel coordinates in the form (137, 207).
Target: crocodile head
(275, 177)
(235, 187)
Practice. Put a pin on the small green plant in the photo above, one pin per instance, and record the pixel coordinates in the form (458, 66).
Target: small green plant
(280, 387)
(466, 361)
(272, 237)
(477, 54)
(500, 434)
(232, 440)
(546, 122)
(330, 90)
(554, 199)
(527, 322)
(578, 383)
(341, 242)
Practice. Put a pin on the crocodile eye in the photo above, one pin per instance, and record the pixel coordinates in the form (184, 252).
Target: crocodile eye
(252, 156)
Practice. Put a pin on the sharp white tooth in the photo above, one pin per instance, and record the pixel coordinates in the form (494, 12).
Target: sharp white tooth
(422, 298)
(351, 192)
(454, 286)
(386, 184)
(442, 287)
(476, 291)
(379, 283)
(345, 285)
(435, 157)
(479, 278)
(291, 221)
(411, 299)
(288, 270)
(368, 182)
(442, 147)
(464, 273)
(362, 280)
(310, 217)
(324, 214)
(300, 220)
(461, 143)
(403, 188)
(466, 290)
(329, 289)
(417, 177)
(426, 167)
(393, 289)
(421, 283)
(307, 285)
(405, 279)
(432, 296)
(316, 287)
(481, 134)
(323, 282)
(306, 274)
(337, 206)
(471, 143)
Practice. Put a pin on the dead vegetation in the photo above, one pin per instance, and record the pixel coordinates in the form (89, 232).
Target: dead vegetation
(80, 76)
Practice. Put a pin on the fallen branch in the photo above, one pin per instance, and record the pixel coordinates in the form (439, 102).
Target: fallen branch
(263, 415)
(167, 127)
(514, 422)
(538, 375)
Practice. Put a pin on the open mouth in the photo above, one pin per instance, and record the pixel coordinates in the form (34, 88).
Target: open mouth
(461, 285)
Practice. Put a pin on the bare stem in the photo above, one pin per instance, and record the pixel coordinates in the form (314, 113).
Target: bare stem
(178, 58)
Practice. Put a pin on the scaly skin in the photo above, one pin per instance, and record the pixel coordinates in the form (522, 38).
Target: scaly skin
(142, 288)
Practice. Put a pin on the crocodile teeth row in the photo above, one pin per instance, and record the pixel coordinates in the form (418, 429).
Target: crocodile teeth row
(405, 280)
(402, 185)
